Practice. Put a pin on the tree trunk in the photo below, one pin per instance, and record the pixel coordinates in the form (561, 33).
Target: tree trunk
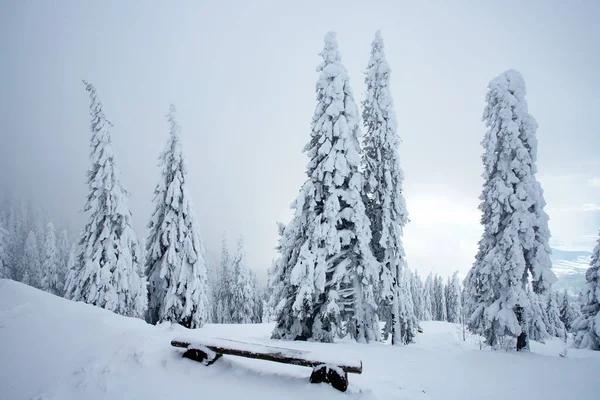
(522, 339)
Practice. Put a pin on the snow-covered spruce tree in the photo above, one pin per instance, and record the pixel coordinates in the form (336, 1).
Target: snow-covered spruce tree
(537, 319)
(514, 245)
(568, 314)
(107, 270)
(242, 290)
(225, 286)
(587, 326)
(428, 298)
(439, 296)
(51, 281)
(32, 266)
(416, 289)
(386, 207)
(453, 299)
(64, 246)
(257, 301)
(556, 327)
(326, 265)
(4, 255)
(17, 232)
(177, 273)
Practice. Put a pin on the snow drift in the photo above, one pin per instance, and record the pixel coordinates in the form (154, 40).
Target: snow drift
(52, 348)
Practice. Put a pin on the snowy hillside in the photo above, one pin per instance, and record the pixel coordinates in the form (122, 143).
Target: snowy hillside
(51, 348)
(570, 267)
(570, 261)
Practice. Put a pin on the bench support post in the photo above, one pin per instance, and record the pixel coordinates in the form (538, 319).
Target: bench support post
(335, 376)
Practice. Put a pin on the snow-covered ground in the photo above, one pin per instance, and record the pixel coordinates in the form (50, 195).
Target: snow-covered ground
(51, 348)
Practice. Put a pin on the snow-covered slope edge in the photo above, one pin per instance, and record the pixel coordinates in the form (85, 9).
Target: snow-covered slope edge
(51, 349)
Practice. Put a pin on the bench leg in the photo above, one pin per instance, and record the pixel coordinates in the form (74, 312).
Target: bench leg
(201, 356)
(330, 374)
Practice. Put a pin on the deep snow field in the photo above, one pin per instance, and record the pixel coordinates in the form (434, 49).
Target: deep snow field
(52, 348)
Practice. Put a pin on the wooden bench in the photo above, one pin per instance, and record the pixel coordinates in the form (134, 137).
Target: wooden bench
(335, 372)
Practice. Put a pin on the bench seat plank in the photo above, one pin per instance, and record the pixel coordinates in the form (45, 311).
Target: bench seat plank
(269, 353)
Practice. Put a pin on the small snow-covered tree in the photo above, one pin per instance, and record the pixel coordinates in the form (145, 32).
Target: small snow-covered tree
(453, 303)
(587, 326)
(31, 263)
(416, 289)
(175, 264)
(568, 314)
(428, 313)
(4, 255)
(326, 273)
(555, 326)
(514, 245)
(243, 296)
(107, 271)
(51, 280)
(386, 207)
(225, 286)
(257, 300)
(537, 319)
(5, 271)
(439, 299)
(64, 246)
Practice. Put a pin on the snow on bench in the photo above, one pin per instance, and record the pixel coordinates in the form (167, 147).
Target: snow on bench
(333, 370)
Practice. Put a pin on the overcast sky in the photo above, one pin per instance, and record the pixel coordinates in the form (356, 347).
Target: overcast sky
(242, 75)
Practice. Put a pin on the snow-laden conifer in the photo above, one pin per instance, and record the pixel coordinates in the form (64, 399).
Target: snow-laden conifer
(175, 264)
(64, 247)
(514, 245)
(107, 269)
(587, 326)
(416, 288)
(31, 263)
(555, 326)
(439, 299)
(537, 319)
(386, 207)
(257, 300)
(428, 298)
(242, 291)
(225, 286)
(568, 314)
(51, 280)
(328, 273)
(453, 303)
(4, 255)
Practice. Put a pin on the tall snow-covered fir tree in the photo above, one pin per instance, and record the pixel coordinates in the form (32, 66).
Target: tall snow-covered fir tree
(64, 246)
(4, 254)
(587, 326)
(242, 290)
(568, 314)
(107, 270)
(51, 280)
(31, 263)
(177, 273)
(328, 273)
(428, 309)
(257, 300)
(439, 299)
(386, 207)
(453, 303)
(513, 250)
(555, 327)
(536, 317)
(224, 290)
(416, 289)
